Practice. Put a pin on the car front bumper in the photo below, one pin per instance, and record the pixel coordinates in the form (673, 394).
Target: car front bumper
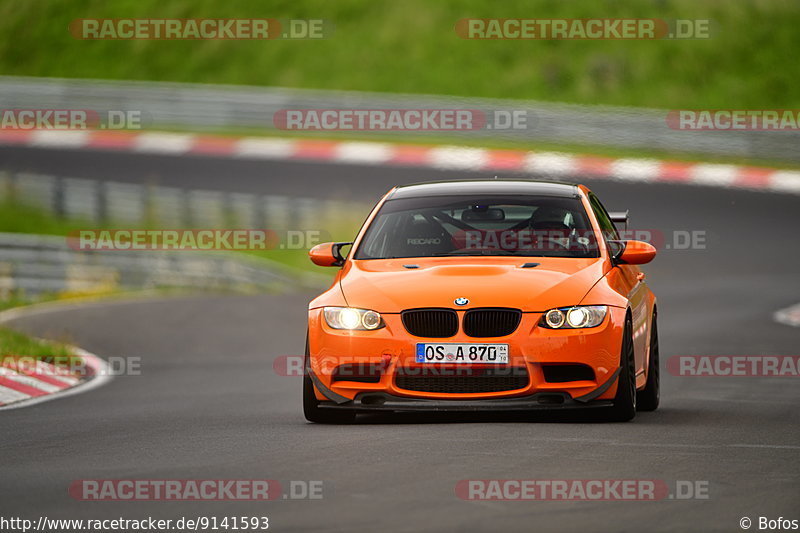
(530, 346)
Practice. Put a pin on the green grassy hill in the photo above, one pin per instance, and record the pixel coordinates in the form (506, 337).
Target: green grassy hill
(411, 46)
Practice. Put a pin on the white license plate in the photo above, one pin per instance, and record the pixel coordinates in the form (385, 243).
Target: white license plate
(462, 353)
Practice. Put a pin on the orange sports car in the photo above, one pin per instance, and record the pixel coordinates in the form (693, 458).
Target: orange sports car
(481, 295)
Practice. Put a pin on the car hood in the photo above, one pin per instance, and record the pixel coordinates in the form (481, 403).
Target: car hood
(387, 286)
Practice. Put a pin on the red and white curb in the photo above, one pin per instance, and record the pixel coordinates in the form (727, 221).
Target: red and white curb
(441, 157)
(23, 385)
(789, 316)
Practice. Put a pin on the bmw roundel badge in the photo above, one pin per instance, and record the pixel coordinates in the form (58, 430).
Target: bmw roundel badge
(461, 301)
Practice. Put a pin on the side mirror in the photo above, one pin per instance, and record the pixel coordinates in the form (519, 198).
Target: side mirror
(634, 252)
(328, 254)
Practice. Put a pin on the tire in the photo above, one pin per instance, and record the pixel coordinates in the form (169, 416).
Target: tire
(624, 408)
(648, 398)
(311, 409)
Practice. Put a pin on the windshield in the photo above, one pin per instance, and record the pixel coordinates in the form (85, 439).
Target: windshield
(534, 226)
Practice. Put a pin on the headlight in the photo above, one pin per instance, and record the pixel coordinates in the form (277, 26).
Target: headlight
(554, 318)
(582, 316)
(352, 318)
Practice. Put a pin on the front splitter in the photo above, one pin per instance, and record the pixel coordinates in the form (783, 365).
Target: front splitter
(381, 401)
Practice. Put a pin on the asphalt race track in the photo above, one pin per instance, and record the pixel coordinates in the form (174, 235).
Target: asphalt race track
(209, 405)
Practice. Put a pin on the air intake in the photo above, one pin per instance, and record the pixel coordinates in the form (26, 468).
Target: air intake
(476, 381)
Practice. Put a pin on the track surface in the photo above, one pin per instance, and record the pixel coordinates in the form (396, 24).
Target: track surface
(208, 404)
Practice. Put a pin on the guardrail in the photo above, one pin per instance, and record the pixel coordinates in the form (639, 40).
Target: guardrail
(103, 201)
(212, 107)
(34, 264)
(41, 263)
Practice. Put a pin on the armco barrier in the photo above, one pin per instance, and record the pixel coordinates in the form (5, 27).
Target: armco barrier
(212, 107)
(34, 264)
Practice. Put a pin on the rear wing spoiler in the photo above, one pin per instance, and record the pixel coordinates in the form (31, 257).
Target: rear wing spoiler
(619, 217)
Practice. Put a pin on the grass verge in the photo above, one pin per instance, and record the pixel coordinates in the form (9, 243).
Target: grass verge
(411, 46)
(15, 345)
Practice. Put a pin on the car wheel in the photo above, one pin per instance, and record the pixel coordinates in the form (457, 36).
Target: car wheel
(624, 408)
(648, 398)
(311, 409)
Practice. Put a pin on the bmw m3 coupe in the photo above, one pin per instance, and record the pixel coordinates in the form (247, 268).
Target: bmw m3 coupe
(482, 295)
